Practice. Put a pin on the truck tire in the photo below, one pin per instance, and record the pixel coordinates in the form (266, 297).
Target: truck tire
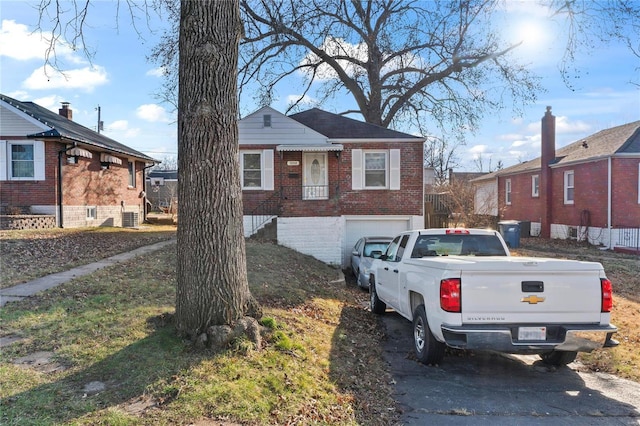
(428, 349)
(558, 358)
(377, 305)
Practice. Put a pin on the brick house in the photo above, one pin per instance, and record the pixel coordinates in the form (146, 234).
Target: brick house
(587, 190)
(50, 165)
(327, 180)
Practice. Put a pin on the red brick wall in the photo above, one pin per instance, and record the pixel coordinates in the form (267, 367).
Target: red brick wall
(342, 199)
(84, 183)
(523, 206)
(625, 193)
(407, 201)
(590, 195)
(14, 193)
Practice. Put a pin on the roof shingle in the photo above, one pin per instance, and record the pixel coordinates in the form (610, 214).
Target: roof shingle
(61, 127)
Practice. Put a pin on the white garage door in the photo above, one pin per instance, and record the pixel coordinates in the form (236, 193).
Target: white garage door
(374, 227)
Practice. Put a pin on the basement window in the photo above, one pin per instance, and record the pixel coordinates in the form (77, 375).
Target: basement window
(92, 212)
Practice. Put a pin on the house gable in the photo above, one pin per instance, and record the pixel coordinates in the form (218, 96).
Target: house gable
(277, 129)
(17, 123)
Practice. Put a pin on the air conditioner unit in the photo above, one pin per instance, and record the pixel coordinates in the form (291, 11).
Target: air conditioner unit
(130, 219)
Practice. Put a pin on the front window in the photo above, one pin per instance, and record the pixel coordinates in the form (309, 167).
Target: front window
(22, 161)
(375, 169)
(132, 174)
(535, 186)
(568, 187)
(251, 170)
(507, 191)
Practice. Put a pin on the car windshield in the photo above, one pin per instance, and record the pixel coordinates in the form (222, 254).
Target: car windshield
(371, 247)
(457, 245)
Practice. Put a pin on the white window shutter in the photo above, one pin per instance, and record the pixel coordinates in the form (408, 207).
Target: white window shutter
(356, 169)
(3, 160)
(394, 169)
(267, 170)
(38, 160)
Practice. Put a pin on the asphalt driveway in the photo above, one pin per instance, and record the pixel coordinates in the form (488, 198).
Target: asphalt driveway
(484, 388)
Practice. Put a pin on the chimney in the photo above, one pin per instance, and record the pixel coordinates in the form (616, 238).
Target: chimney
(548, 156)
(65, 111)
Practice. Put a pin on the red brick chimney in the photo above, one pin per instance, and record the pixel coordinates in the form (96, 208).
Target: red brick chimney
(548, 141)
(65, 111)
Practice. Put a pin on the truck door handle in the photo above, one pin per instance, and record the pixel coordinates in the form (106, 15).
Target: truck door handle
(532, 286)
(395, 270)
(386, 268)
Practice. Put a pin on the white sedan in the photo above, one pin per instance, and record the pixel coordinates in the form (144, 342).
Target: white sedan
(361, 257)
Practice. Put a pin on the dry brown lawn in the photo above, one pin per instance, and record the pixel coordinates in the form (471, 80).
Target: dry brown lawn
(624, 272)
(27, 255)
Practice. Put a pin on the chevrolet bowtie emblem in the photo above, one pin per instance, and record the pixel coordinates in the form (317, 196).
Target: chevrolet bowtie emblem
(532, 300)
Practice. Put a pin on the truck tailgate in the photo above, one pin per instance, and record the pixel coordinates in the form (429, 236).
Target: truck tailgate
(531, 290)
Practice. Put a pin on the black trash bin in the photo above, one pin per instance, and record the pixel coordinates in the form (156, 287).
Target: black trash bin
(525, 228)
(510, 231)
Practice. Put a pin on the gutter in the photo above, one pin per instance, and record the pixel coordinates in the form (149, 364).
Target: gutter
(144, 191)
(609, 203)
(60, 215)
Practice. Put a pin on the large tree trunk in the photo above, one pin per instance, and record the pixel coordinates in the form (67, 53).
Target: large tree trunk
(212, 287)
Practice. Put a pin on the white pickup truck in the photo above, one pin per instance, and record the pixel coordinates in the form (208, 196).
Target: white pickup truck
(461, 288)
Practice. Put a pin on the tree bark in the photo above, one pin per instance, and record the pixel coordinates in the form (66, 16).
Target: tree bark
(212, 286)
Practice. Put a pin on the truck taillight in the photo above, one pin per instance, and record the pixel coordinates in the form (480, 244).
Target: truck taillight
(450, 295)
(607, 295)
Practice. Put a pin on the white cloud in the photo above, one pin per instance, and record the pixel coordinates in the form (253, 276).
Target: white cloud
(518, 143)
(510, 136)
(306, 100)
(157, 72)
(334, 47)
(478, 150)
(119, 125)
(152, 113)
(51, 102)
(18, 42)
(563, 125)
(85, 79)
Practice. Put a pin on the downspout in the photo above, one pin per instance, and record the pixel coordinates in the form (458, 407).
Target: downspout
(61, 222)
(609, 203)
(144, 190)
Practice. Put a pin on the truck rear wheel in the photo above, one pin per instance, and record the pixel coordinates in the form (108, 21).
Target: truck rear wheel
(558, 358)
(377, 305)
(428, 349)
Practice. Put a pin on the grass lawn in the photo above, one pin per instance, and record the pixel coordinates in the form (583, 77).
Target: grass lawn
(101, 349)
(112, 357)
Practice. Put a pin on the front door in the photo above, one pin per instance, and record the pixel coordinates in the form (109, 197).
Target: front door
(314, 181)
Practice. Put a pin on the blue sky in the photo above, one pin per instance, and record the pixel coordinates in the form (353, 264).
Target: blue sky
(121, 80)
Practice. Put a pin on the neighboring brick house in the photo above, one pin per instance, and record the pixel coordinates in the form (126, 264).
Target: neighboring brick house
(50, 165)
(588, 190)
(328, 180)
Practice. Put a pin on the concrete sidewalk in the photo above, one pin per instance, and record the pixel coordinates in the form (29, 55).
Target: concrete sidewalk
(30, 288)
